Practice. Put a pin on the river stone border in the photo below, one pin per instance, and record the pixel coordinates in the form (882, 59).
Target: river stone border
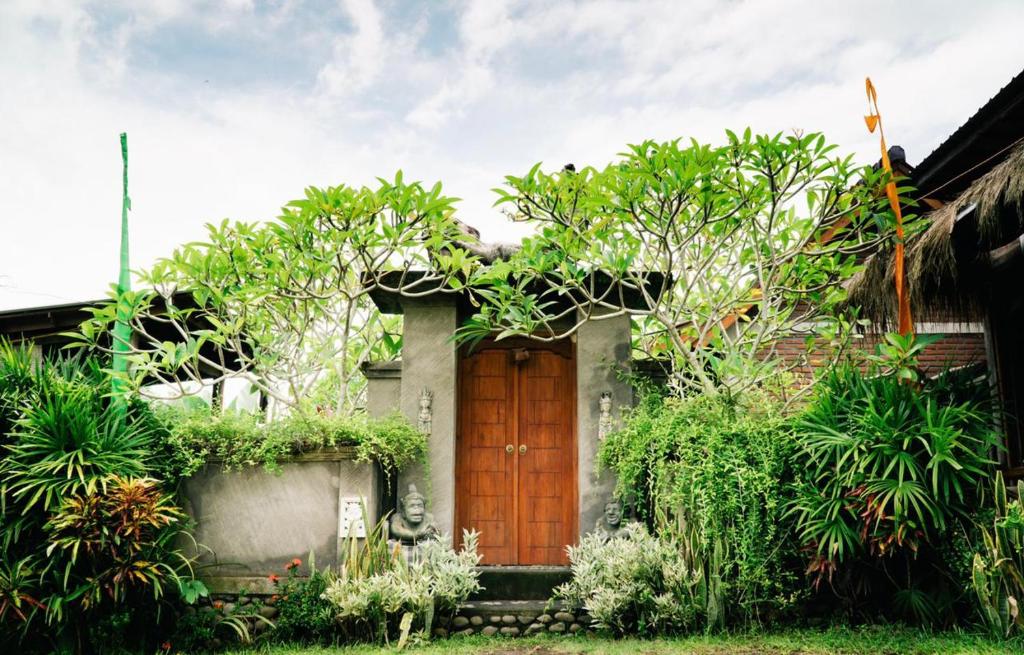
(513, 619)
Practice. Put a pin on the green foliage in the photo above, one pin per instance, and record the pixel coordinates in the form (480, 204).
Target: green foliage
(69, 441)
(17, 383)
(635, 584)
(894, 469)
(743, 229)
(998, 570)
(897, 355)
(116, 543)
(379, 596)
(238, 440)
(18, 587)
(85, 542)
(303, 613)
(890, 465)
(713, 477)
(285, 304)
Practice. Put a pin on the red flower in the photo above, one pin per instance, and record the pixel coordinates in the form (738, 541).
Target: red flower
(218, 604)
(273, 577)
(294, 564)
(165, 646)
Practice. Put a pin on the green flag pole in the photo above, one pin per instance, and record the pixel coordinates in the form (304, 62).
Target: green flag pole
(122, 332)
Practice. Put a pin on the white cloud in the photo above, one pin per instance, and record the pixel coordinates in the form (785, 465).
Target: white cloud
(219, 128)
(356, 58)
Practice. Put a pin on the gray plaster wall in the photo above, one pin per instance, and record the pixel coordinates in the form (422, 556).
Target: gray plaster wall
(383, 392)
(429, 362)
(254, 520)
(602, 347)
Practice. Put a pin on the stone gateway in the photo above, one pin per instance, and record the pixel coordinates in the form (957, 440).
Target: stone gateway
(514, 427)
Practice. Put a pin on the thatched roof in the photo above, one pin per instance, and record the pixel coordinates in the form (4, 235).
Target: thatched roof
(945, 284)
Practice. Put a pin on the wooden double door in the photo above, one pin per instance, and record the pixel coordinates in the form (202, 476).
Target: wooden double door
(516, 451)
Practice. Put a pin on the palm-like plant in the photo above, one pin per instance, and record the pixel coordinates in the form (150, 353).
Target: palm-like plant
(70, 442)
(889, 465)
(17, 380)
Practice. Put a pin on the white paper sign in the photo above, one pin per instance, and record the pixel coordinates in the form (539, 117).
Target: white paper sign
(351, 523)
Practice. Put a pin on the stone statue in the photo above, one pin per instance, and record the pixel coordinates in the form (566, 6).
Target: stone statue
(610, 525)
(412, 522)
(604, 422)
(425, 418)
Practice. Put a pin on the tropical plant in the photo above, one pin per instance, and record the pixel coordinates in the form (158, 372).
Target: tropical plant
(18, 379)
(112, 554)
(66, 450)
(634, 584)
(890, 466)
(998, 570)
(380, 596)
(893, 467)
(116, 541)
(718, 252)
(283, 304)
(713, 476)
(451, 574)
(70, 441)
(19, 589)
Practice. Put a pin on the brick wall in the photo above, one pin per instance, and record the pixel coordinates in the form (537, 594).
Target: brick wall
(952, 350)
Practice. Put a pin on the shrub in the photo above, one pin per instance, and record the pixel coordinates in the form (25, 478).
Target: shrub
(894, 468)
(68, 441)
(116, 541)
(379, 596)
(634, 584)
(239, 440)
(17, 383)
(714, 477)
(303, 615)
(112, 548)
(998, 570)
(65, 553)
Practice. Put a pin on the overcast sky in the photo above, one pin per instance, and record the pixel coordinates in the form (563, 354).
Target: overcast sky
(233, 107)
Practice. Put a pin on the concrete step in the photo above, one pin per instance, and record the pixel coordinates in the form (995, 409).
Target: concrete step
(520, 583)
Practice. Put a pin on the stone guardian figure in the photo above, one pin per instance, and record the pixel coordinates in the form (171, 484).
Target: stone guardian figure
(610, 525)
(412, 523)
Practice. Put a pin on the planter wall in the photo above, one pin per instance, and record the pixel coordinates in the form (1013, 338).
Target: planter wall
(250, 523)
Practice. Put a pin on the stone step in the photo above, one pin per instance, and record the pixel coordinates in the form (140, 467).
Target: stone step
(513, 618)
(532, 583)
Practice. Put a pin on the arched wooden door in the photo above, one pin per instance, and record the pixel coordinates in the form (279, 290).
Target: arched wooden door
(516, 451)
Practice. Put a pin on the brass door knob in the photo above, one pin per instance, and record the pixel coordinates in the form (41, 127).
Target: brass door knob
(522, 449)
(509, 449)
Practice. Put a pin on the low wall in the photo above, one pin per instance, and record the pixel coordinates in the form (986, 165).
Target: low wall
(250, 523)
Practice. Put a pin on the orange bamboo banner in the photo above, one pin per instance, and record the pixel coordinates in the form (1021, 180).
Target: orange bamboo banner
(874, 121)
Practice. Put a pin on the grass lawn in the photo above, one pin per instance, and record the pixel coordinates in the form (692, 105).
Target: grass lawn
(881, 640)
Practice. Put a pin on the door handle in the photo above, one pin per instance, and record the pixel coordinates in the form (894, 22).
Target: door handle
(522, 449)
(510, 449)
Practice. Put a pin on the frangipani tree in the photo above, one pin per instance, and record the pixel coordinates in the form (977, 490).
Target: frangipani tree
(285, 304)
(752, 240)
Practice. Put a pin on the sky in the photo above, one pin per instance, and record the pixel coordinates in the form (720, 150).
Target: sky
(233, 107)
